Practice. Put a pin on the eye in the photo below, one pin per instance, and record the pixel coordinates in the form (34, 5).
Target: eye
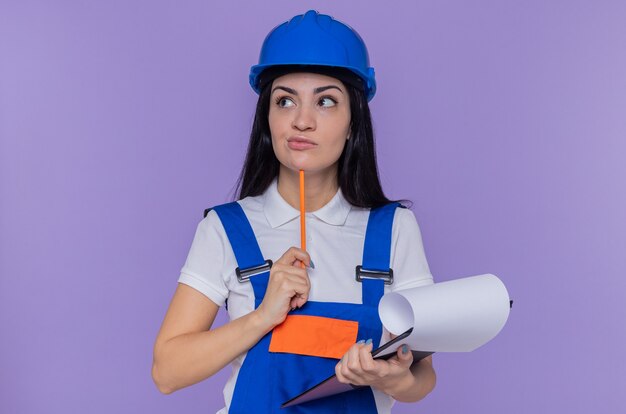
(328, 102)
(284, 102)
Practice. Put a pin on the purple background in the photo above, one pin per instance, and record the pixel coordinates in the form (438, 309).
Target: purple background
(504, 122)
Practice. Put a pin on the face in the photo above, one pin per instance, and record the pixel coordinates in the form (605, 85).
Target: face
(309, 120)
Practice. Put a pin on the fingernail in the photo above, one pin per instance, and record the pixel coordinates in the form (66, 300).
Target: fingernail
(369, 341)
(311, 264)
(405, 349)
(361, 341)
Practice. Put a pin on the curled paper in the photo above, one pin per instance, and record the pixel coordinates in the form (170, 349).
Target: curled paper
(453, 316)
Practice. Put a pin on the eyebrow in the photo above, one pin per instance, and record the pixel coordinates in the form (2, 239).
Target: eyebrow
(315, 91)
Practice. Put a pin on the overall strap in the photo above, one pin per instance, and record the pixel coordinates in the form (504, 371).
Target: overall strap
(244, 244)
(377, 252)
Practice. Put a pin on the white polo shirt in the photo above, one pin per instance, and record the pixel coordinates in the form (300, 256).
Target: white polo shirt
(335, 237)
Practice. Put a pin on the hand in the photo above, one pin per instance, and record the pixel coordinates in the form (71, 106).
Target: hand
(357, 367)
(288, 287)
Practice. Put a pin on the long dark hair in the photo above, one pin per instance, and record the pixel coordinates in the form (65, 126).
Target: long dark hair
(357, 172)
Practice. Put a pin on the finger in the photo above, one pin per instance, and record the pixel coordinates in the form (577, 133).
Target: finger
(298, 290)
(368, 364)
(405, 356)
(352, 361)
(340, 377)
(300, 301)
(291, 256)
(284, 277)
(298, 272)
(348, 356)
(297, 283)
(347, 373)
(282, 271)
(290, 286)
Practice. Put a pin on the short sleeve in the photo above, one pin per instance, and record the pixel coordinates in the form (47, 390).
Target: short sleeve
(408, 260)
(203, 269)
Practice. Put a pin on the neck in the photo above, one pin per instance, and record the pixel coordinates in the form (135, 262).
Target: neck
(319, 188)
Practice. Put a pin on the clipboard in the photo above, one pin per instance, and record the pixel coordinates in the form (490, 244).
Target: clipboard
(331, 385)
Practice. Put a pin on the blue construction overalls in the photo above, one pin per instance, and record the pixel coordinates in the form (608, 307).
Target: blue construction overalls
(267, 379)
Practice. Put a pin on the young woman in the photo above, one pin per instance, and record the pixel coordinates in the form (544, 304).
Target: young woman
(293, 325)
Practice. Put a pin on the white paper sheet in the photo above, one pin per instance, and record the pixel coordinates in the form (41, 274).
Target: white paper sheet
(453, 316)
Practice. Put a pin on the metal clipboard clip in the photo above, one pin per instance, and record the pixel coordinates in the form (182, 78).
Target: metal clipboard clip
(386, 276)
(243, 275)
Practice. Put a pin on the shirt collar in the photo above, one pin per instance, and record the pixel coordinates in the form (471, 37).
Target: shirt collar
(278, 211)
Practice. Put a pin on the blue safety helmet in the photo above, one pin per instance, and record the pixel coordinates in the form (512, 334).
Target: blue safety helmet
(317, 40)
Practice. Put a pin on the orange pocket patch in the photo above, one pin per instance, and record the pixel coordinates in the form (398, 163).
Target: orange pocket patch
(314, 335)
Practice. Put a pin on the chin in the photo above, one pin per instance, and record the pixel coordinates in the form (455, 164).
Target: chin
(309, 167)
(306, 162)
(299, 166)
(298, 163)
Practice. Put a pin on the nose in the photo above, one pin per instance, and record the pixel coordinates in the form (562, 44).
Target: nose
(304, 118)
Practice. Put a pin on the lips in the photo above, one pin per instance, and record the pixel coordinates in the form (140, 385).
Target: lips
(300, 143)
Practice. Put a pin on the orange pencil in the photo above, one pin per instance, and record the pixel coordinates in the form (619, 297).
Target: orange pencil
(302, 215)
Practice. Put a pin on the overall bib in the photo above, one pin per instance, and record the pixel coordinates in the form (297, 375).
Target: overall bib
(304, 350)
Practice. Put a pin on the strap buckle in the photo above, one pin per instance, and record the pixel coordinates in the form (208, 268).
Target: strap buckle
(243, 275)
(384, 275)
